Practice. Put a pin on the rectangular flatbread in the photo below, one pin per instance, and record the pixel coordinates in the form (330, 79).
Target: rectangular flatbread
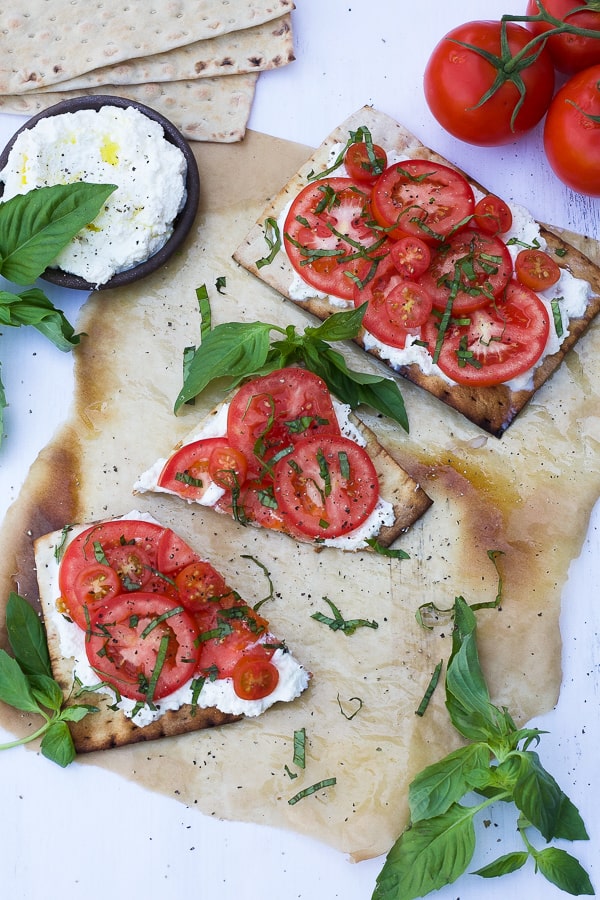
(491, 408)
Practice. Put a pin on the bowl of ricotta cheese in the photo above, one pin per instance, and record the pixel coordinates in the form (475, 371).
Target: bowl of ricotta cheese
(109, 140)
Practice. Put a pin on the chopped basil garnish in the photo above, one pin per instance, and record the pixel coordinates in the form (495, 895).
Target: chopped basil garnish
(300, 748)
(318, 786)
(338, 623)
(273, 239)
(430, 689)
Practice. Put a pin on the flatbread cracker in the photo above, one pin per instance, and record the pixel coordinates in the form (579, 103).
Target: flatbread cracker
(255, 49)
(491, 408)
(48, 41)
(529, 496)
(205, 109)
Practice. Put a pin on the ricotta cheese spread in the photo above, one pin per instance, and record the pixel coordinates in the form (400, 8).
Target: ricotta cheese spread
(216, 426)
(293, 677)
(569, 295)
(112, 145)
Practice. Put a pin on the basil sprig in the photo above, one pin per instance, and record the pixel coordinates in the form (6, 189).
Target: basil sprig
(26, 683)
(234, 351)
(34, 228)
(498, 765)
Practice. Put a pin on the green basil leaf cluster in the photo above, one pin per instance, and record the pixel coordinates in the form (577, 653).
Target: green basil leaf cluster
(34, 228)
(234, 351)
(497, 764)
(26, 683)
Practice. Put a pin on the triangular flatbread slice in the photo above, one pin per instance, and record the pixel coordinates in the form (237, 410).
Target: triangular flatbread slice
(143, 628)
(491, 408)
(303, 465)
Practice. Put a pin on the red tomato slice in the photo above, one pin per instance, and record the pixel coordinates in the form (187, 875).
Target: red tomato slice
(200, 586)
(228, 467)
(93, 586)
(327, 487)
(423, 199)
(501, 341)
(365, 162)
(173, 553)
(271, 413)
(396, 307)
(254, 677)
(144, 645)
(233, 631)
(492, 215)
(132, 563)
(94, 546)
(411, 256)
(481, 263)
(327, 235)
(536, 270)
(186, 472)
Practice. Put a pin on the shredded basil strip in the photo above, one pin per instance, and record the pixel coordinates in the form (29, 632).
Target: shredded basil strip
(273, 239)
(99, 554)
(197, 685)
(267, 575)
(319, 785)
(338, 623)
(59, 549)
(386, 551)
(346, 715)
(188, 479)
(159, 619)
(556, 315)
(160, 661)
(430, 689)
(300, 748)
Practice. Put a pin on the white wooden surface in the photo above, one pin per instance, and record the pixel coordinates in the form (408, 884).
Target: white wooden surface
(84, 833)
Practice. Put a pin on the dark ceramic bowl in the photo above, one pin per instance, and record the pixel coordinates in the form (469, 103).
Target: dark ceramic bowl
(183, 221)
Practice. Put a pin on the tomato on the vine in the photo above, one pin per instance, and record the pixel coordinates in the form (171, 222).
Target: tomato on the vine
(572, 132)
(570, 52)
(457, 79)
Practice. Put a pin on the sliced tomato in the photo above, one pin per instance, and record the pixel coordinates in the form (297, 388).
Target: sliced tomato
(328, 236)
(422, 198)
(411, 256)
(173, 553)
(327, 487)
(228, 467)
(93, 586)
(233, 631)
(132, 563)
(500, 341)
(536, 270)
(396, 307)
(269, 414)
(145, 645)
(254, 677)
(365, 161)
(186, 472)
(492, 215)
(200, 586)
(95, 546)
(473, 266)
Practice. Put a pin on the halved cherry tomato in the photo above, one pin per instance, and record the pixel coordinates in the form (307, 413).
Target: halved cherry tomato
(94, 546)
(365, 162)
(186, 472)
(396, 307)
(536, 270)
(92, 587)
(327, 235)
(411, 256)
(501, 341)
(132, 564)
(199, 585)
(254, 677)
(422, 198)
(327, 487)
(473, 266)
(492, 215)
(233, 631)
(269, 414)
(228, 467)
(143, 644)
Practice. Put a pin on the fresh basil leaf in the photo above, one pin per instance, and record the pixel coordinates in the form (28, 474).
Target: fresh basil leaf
(27, 636)
(429, 855)
(32, 307)
(57, 744)
(504, 865)
(230, 350)
(389, 552)
(569, 824)
(14, 687)
(36, 226)
(77, 713)
(340, 326)
(560, 868)
(3, 405)
(537, 794)
(46, 691)
(441, 784)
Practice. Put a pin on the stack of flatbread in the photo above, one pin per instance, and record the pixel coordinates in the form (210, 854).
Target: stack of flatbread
(195, 61)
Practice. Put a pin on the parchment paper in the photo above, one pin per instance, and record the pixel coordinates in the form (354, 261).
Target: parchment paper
(528, 495)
